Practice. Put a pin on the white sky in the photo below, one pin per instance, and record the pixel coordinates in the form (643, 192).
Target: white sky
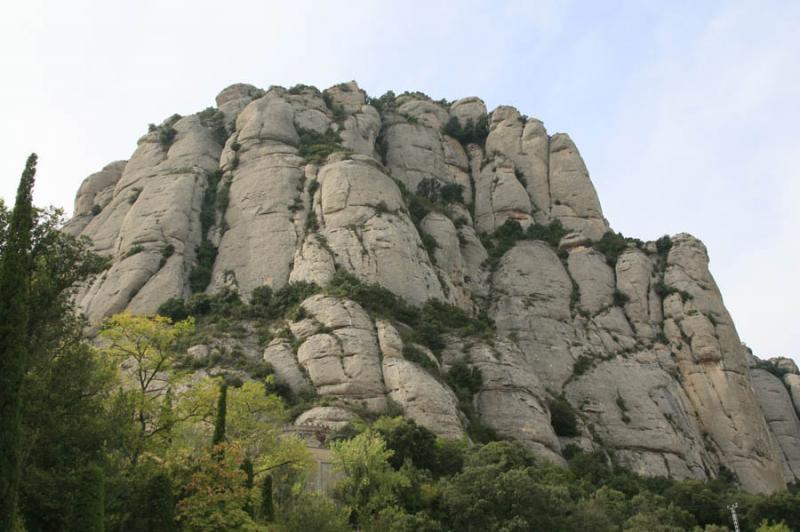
(686, 112)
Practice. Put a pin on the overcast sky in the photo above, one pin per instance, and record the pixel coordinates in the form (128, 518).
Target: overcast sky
(686, 113)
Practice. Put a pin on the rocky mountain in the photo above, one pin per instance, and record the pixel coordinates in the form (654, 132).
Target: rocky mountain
(598, 341)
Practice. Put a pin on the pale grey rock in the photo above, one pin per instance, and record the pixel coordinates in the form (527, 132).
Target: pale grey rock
(337, 313)
(719, 390)
(95, 193)
(313, 262)
(785, 364)
(269, 119)
(198, 353)
(344, 363)
(327, 417)
(234, 98)
(365, 224)
(457, 166)
(594, 277)
(532, 305)
(528, 147)
(155, 204)
(423, 398)
(454, 153)
(414, 152)
(511, 399)
(280, 355)
(447, 257)
(644, 417)
(574, 199)
(389, 340)
(634, 273)
(426, 112)
(310, 110)
(500, 196)
(349, 95)
(781, 417)
(792, 382)
(474, 254)
(237, 91)
(360, 131)
(266, 209)
(466, 109)
(259, 217)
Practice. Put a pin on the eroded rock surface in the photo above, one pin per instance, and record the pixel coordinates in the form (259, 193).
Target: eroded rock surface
(287, 186)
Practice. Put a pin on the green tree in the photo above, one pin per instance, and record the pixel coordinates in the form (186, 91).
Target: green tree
(215, 495)
(88, 514)
(370, 483)
(69, 421)
(767, 526)
(267, 504)
(148, 346)
(313, 512)
(254, 422)
(219, 423)
(159, 508)
(408, 441)
(15, 278)
(65, 420)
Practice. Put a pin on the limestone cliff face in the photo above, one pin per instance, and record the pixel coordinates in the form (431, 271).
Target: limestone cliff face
(640, 344)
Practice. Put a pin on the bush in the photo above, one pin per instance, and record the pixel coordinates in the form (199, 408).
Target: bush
(663, 245)
(138, 248)
(96, 209)
(465, 381)
(620, 298)
(428, 322)
(419, 357)
(316, 147)
(261, 300)
(375, 299)
(166, 136)
(562, 417)
(582, 365)
(207, 207)
(383, 102)
(502, 240)
(214, 119)
(174, 309)
(434, 191)
(166, 252)
(611, 245)
(469, 133)
(200, 276)
(507, 235)
(771, 367)
(551, 233)
(291, 295)
(300, 88)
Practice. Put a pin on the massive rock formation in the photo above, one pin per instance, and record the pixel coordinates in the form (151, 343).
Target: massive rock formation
(420, 197)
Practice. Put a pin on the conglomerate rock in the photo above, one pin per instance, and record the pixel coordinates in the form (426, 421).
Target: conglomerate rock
(288, 186)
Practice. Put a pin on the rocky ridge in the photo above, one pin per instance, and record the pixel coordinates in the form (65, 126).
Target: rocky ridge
(443, 201)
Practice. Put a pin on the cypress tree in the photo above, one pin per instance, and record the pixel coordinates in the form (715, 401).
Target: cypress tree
(15, 278)
(219, 423)
(88, 513)
(160, 504)
(247, 467)
(267, 507)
